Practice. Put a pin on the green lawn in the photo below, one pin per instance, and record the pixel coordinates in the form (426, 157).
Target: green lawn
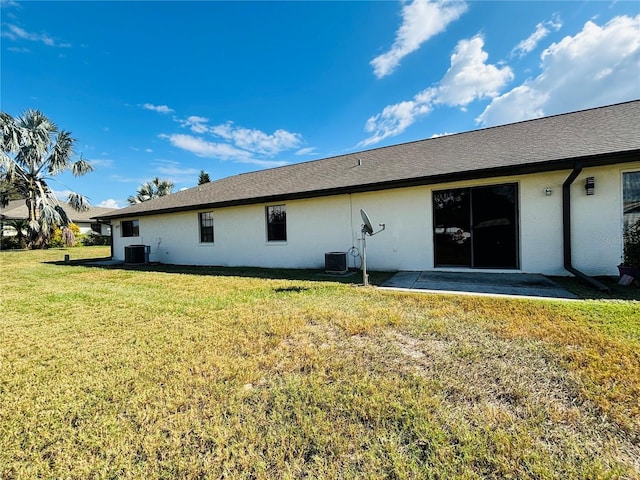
(227, 373)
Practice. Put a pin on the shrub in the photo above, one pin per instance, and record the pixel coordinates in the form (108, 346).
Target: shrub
(65, 236)
(9, 243)
(92, 238)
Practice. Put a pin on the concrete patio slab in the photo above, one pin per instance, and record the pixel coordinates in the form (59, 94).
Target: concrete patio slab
(501, 284)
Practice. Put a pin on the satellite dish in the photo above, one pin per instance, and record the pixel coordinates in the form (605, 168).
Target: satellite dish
(367, 228)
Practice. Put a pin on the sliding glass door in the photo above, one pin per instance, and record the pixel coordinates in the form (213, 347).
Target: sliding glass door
(631, 198)
(476, 227)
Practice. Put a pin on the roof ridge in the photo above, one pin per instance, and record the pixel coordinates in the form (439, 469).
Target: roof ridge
(465, 132)
(541, 144)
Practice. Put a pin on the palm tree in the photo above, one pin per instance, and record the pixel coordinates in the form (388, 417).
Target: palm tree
(21, 227)
(33, 151)
(149, 190)
(7, 193)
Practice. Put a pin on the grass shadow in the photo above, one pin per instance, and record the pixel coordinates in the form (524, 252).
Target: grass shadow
(586, 292)
(352, 277)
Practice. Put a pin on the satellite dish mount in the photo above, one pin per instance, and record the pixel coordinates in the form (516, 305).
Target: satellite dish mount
(367, 229)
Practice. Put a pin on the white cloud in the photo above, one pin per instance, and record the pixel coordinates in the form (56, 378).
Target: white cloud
(148, 150)
(122, 179)
(251, 140)
(174, 172)
(101, 163)
(395, 119)
(109, 203)
(230, 142)
(306, 151)
(469, 78)
(542, 30)
(257, 141)
(61, 195)
(421, 20)
(196, 124)
(173, 169)
(222, 151)
(597, 66)
(265, 163)
(15, 33)
(204, 148)
(157, 108)
(438, 135)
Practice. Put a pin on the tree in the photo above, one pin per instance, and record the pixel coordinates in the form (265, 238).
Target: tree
(33, 151)
(204, 177)
(149, 190)
(7, 193)
(21, 227)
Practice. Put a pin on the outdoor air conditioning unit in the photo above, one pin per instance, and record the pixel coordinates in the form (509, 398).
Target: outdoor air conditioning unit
(335, 262)
(136, 254)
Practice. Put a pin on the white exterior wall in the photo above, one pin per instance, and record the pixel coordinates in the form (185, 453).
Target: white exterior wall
(328, 224)
(85, 228)
(597, 220)
(407, 242)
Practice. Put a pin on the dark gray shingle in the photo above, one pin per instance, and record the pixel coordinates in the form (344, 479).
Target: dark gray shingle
(597, 135)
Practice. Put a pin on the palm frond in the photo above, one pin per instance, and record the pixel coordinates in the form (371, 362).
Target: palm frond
(19, 224)
(9, 137)
(60, 155)
(50, 216)
(34, 225)
(7, 166)
(78, 202)
(81, 167)
(150, 190)
(64, 218)
(36, 133)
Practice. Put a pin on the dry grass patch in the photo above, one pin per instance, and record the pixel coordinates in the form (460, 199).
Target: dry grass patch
(139, 374)
(598, 339)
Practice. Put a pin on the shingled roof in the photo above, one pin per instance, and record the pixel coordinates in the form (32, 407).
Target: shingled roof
(596, 136)
(17, 209)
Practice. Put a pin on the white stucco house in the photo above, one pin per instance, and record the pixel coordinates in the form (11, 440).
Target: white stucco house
(548, 196)
(86, 221)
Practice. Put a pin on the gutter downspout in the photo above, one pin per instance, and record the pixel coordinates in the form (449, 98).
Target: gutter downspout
(566, 231)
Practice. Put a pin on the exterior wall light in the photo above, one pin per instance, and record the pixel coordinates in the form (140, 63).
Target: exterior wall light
(590, 185)
(548, 191)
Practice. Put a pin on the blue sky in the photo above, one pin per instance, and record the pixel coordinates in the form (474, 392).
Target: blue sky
(171, 88)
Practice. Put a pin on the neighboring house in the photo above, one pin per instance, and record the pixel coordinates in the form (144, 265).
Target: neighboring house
(542, 195)
(86, 221)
